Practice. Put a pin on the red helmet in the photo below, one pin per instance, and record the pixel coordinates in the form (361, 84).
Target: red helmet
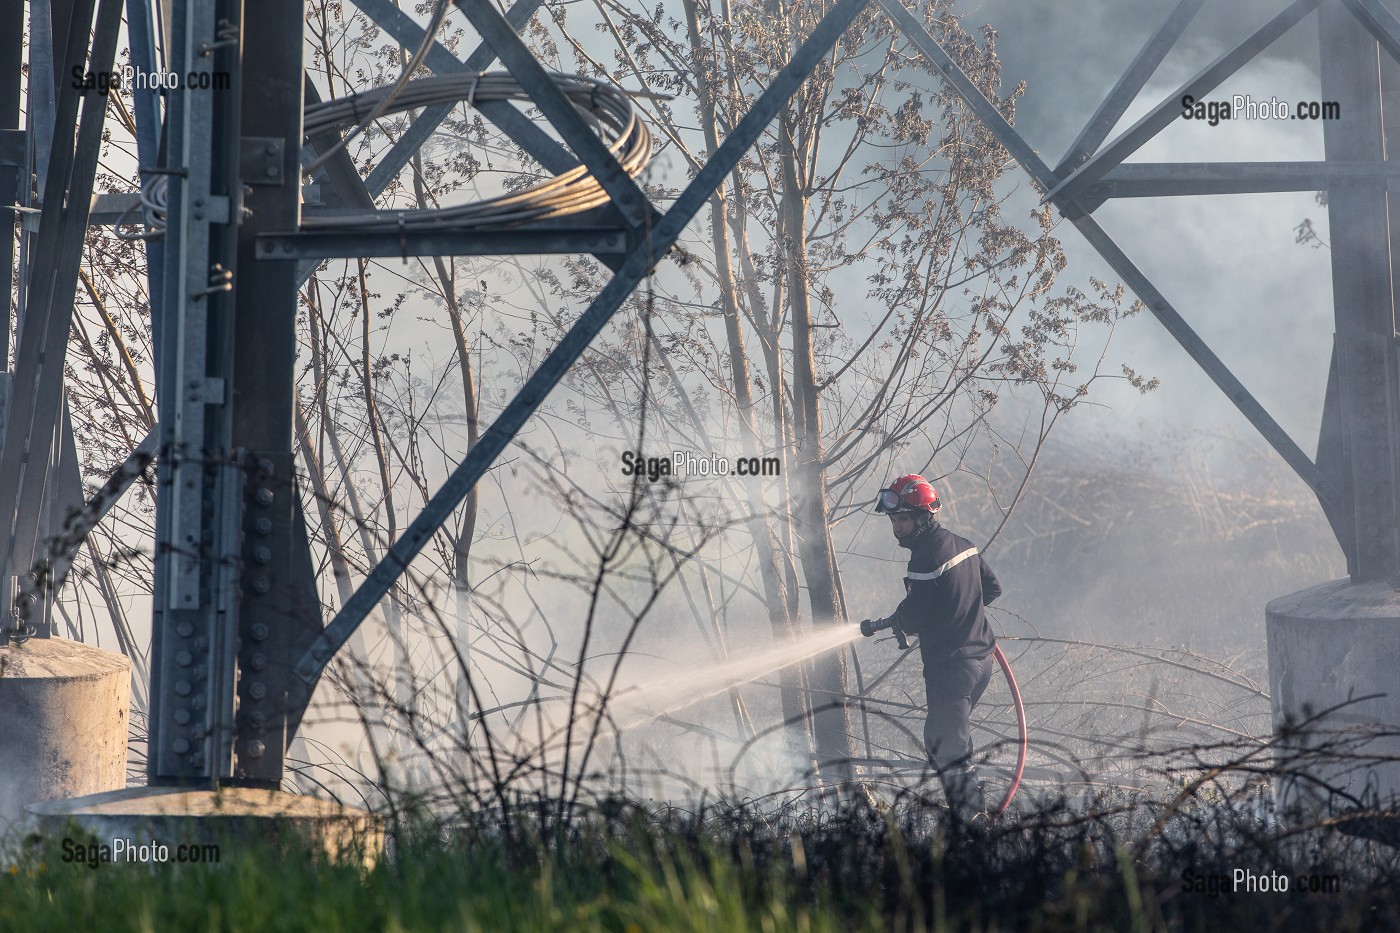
(909, 493)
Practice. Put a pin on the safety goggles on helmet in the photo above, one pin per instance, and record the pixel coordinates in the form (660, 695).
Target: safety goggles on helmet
(910, 493)
(890, 501)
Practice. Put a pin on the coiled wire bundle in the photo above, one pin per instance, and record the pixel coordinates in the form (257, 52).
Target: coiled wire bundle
(607, 109)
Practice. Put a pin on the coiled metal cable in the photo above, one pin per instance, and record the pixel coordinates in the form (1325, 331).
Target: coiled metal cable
(607, 108)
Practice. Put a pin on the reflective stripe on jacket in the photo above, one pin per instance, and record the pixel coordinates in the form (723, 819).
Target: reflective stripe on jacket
(947, 585)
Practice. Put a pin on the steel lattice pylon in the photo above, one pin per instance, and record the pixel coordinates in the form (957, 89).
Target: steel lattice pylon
(238, 645)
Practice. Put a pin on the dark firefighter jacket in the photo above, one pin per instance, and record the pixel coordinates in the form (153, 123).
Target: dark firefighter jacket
(947, 586)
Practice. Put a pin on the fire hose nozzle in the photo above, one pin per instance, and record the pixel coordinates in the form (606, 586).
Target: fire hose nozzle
(868, 627)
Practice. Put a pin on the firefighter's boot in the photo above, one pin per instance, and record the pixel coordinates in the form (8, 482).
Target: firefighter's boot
(963, 792)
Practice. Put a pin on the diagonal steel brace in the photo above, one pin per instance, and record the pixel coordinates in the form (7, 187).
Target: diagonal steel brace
(522, 131)
(1126, 90)
(627, 197)
(1380, 22)
(1066, 192)
(638, 266)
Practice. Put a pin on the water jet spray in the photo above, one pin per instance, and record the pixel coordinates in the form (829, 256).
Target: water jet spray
(661, 697)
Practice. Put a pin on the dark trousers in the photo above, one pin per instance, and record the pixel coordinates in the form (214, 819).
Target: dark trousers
(953, 689)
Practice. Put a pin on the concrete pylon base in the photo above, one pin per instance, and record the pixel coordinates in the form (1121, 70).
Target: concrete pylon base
(1330, 645)
(63, 723)
(230, 816)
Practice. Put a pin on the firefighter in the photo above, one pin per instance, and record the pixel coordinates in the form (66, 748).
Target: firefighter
(946, 587)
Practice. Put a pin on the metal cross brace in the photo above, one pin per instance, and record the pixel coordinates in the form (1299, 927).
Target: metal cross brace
(1384, 26)
(638, 266)
(43, 338)
(512, 122)
(1156, 302)
(1126, 90)
(1380, 22)
(609, 246)
(626, 196)
(1169, 108)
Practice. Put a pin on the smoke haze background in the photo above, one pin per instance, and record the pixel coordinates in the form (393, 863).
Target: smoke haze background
(1153, 520)
(1157, 520)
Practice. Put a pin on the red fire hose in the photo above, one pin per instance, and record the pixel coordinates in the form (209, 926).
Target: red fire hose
(1020, 729)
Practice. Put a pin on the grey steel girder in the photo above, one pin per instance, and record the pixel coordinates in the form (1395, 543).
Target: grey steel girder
(1361, 220)
(626, 196)
(199, 484)
(33, 427)
(1125, 91)
(510, 121)
(1380, 22)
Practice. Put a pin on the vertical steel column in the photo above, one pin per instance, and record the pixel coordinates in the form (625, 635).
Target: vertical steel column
(280, 612)
(1364, 306)
(198, 518)
(11, 158)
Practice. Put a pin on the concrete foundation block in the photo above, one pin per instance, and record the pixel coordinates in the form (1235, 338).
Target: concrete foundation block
(1330, 646)
(226, 818)
(64, 710)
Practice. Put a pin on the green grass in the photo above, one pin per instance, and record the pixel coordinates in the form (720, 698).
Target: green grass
(725, 869)
(596, 882)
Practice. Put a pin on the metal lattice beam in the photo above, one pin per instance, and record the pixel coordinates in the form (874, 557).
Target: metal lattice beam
(1132, 276)
(1121, 97)
(32, 427)
(1159, 117)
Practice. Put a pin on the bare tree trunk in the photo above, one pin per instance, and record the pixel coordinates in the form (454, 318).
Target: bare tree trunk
(462, 543)
(404, 693)
(778, 598)
(462, 546)
(829, 672)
